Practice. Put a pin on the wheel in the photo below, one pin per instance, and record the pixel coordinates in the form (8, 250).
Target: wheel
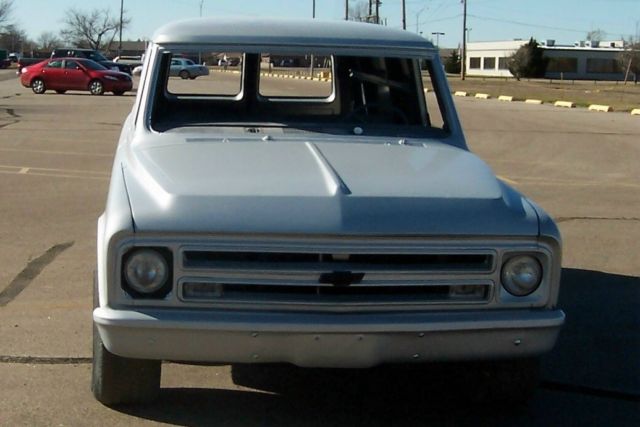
(96, 87)
(184, 74)
(60, 91)
(118, 92)
(38, 86)
(117, 379)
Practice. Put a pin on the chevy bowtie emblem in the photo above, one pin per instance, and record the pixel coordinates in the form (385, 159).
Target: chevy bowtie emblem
(341, 278)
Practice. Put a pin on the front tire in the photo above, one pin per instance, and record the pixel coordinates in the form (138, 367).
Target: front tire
(117, 379)
(184, 74)
(96, 87)
(38, 87)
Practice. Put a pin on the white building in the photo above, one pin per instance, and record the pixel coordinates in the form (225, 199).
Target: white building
(584, 60)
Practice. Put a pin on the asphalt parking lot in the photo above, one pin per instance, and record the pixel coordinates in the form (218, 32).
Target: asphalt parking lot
(55, 161)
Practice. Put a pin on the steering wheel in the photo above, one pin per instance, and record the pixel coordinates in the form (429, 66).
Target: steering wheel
(362, 114)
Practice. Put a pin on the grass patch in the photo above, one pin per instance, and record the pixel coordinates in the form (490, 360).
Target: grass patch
(619, 96)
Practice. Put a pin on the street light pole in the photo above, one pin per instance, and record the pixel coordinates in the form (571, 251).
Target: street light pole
(463, 59)
(346, 10)
(404, 15)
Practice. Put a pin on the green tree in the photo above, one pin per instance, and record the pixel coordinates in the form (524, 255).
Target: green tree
(452, 64)
(528, 61)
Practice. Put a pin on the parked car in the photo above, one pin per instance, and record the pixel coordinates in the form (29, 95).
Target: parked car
(94, 55)
(63, 74)
(187, 69)
(341, 223)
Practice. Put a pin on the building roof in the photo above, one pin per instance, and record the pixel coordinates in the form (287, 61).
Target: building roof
(312, 34)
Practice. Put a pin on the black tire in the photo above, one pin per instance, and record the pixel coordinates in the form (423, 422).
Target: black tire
(38, 86)
(118, 92)
(121, 380)
(60, 91)
(96, 87)
(184, 74)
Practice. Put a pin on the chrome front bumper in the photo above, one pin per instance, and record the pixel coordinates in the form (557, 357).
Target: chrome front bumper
(327, 340)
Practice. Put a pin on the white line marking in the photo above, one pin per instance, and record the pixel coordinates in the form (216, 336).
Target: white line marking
(23, 171)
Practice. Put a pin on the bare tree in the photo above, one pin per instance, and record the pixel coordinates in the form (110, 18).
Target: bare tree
(48, 41)
(359, 12)
(596, 35)
(5, 11)
(15, 39)
(95, 29)
(630, 61)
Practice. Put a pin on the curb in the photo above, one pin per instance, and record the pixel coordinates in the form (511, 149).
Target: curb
(564, 104)
(483, 96)
(460, 93)
(533, 101)
(635, 112)
(505, 98)
(601, 108)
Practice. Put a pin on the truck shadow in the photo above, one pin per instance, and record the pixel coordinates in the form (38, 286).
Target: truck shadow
(601, 337)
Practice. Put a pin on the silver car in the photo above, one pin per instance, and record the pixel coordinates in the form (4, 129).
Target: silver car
(187, 69)
(329, 215)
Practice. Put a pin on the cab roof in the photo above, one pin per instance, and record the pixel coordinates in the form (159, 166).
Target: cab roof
(310, 34)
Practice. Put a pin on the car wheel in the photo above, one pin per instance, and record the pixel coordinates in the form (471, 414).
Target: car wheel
(117, 379)
(118, 92)
(184, 74)
(60, 91)
(96, 87)
(38, 86)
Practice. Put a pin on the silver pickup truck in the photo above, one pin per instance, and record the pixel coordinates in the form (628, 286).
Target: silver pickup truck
(315, 205)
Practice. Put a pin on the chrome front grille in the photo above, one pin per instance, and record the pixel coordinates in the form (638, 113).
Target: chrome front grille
(334, 278)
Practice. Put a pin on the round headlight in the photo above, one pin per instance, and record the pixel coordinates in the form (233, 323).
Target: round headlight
(146, 271)
(521, 275)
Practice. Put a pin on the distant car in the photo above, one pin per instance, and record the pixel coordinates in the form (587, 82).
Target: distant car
(187, 69)
(92, 54)
(63, 74)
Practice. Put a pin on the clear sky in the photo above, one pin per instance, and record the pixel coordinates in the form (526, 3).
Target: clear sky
(563, 20)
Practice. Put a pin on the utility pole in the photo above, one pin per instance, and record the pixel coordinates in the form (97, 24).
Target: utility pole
(377, 11)
(463, 59)
(199, 52)
(313, 16)
(121, 18)
(346, 10)
(404, 15)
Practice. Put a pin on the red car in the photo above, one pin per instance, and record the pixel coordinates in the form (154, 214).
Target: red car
(63, 74)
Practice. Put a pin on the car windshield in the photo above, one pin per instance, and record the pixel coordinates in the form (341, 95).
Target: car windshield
(93, 65)
(377, 94)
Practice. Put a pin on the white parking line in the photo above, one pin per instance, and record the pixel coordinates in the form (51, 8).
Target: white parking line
(54, 173)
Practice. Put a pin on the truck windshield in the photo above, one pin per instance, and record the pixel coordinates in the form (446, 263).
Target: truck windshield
(295, 90)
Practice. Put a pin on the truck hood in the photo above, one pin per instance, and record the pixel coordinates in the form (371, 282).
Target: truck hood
(252, 186)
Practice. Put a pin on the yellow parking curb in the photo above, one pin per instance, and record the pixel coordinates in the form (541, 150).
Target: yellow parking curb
(460, 93)
(602, 108)
(635, 112)
(533, 101)
(483, 96)
(564, 104)
(505, 98)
